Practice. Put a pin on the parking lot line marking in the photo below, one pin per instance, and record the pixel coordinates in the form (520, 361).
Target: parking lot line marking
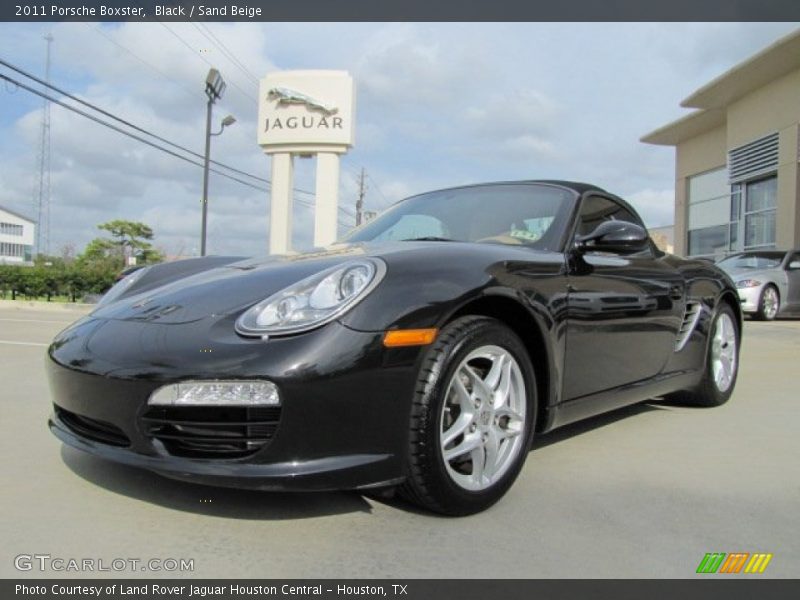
(35, 321)
(12, 343)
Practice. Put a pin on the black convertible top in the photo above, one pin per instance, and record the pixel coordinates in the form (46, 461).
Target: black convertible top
(578, 186)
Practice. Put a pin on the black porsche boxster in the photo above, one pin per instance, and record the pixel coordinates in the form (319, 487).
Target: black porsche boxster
(423, 353)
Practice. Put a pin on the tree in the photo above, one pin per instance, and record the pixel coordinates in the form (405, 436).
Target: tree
(129, 239)
(127, 232)
(129, 236)
(101, 250)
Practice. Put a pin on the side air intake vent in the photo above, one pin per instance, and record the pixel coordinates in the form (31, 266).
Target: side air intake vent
(756, 158)
(690, 318)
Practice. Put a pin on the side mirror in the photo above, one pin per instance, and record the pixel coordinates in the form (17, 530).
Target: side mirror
(794, 265)
(620, 237)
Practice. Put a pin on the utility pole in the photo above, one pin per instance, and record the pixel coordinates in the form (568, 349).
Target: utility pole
(206, 160)
(215, 87)
(362, 190)
(42, 196)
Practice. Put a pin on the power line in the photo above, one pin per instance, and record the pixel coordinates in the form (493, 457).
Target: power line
(141, 130)
(378, 188)
(111, 40)
(196, 53)
(21, 85)
(209, 35)
(126, 133)
(350, 172)
(127, 123)
(355, 176)
(136, 127)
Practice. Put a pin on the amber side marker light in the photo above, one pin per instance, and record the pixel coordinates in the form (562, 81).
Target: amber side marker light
(409, 337)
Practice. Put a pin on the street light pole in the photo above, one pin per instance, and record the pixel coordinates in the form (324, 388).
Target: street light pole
(215, 86)
(205, 176)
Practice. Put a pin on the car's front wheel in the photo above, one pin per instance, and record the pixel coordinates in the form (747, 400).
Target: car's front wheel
(722, 363)
(769, 304)
(472, 417)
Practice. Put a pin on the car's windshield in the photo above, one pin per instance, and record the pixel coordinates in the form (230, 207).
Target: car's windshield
(517, 214)
(752, 260)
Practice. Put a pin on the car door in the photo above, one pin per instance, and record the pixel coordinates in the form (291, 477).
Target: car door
(623, 311)
(793, 282)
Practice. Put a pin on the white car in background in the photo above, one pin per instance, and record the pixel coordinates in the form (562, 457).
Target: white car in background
(768, 281)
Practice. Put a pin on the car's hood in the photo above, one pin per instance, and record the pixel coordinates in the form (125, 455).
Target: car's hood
(233, 287)
(745, 273)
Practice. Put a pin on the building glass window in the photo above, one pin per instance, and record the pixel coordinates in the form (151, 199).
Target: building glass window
(710, 213)
(708, 241)
(9, 250)
(761, 198)
(736, 207)
(10, 229)
(726, 218)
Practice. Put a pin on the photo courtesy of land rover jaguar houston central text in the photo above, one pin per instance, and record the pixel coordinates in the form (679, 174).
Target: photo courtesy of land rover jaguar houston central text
(424, 352)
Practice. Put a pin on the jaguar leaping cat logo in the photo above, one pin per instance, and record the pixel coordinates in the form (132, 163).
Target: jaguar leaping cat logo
(287, 96)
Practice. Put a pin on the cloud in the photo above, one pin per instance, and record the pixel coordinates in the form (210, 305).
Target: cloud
(406, 68)
(520, 123)
(509, 114)
(709, 49)
(439, 104)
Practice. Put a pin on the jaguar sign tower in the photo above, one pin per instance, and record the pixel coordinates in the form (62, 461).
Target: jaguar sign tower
(305, 113)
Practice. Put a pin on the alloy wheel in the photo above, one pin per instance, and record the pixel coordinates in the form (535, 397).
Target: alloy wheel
(771, 303)
(723, 352)
(483, 418)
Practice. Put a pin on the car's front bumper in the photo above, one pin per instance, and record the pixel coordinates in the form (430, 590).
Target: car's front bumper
(749, 298)
(360, 471)
(344, 414)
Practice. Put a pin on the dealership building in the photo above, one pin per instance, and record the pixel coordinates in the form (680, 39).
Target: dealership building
(737, 183)
(16, 238)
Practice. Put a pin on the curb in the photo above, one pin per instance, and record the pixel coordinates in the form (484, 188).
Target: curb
(75, 307)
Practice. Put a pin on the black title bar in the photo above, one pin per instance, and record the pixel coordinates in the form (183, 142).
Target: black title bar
(402, 10)
(397, 589)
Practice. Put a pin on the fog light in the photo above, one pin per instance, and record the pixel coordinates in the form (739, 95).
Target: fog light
(216, 393)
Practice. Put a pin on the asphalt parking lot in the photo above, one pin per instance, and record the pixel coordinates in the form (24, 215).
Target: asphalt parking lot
(642, 492)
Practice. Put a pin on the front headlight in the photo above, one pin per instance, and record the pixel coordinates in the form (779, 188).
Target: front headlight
(313, 301)
(746, 283)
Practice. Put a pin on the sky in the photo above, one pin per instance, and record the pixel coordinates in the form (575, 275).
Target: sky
(438, 105)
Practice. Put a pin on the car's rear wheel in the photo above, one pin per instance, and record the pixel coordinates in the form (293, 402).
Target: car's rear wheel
(722, 363)
(472, 417)
(769, 303)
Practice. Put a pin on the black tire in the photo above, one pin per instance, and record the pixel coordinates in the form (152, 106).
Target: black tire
(762, 314)
(707, 394)
(428, 483)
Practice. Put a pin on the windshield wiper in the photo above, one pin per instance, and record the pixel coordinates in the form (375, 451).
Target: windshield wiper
(429, 238)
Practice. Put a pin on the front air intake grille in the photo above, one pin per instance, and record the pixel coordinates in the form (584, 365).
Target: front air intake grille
(211, 431)
(98, 431)
(690, 318)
